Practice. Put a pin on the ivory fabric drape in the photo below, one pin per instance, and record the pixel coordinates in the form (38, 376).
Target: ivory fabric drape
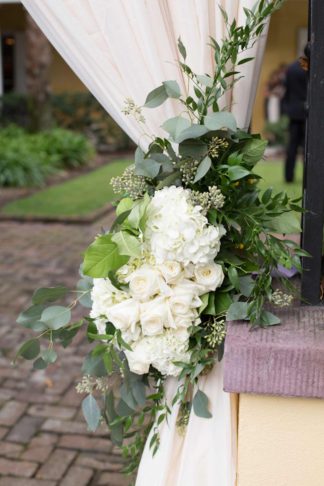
(123, 49)
(126, 48)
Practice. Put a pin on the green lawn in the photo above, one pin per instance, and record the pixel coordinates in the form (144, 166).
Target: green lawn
(272, 172)
(86, 193)
(76, 197)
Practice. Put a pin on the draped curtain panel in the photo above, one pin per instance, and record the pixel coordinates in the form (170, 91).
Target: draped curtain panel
(124, 49)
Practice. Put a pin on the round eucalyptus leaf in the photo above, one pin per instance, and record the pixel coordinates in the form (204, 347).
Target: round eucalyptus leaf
(56, 316)
(30, 349)
(39, 364)
(49, 356)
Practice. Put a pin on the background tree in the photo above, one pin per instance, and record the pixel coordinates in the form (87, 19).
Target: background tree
(38, 59)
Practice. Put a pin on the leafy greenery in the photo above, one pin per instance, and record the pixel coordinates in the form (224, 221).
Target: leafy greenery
(28, 159)
(277, 132)
(80, 112)
(205, 152)
(77, 197)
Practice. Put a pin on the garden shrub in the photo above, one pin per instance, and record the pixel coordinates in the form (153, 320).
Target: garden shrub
(71, 149)
(277, 132)
(28, 159)
(79, 112)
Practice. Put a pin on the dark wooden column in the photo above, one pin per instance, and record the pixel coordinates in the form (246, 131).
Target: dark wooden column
(313, 200)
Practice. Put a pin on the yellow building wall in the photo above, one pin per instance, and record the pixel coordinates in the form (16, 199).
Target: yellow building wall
(281, 48)
(281, 441)
(62, 77)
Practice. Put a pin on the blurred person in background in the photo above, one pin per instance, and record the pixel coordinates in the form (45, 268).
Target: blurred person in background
(294, 106)
(274, 92)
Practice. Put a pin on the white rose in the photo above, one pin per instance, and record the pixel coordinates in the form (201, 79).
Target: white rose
(209, 276)
(154, 315)
(144, 282)
(183, 301)
(124, 315)
(186, 320)
(170, 270)
(138, 358)
(103, 296)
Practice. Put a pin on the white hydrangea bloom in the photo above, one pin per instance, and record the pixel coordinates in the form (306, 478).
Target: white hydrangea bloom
(178, 231)
(156, 311)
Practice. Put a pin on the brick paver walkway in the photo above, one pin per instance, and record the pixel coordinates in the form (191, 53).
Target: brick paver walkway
(44, 441)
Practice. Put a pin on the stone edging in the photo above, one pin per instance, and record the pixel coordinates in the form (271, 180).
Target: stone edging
(286, 360)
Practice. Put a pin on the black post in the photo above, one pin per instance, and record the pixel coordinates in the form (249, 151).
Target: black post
(313, 198)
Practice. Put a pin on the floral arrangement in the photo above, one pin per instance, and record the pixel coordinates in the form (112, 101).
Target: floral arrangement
(193, 246)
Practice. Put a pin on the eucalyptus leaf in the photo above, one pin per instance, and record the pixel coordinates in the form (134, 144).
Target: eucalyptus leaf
(172, 89)
(94, 366)
(91, 412)
(30, 315)
(127, 396)
(203, 168)
(269, 319)
(145, 167)
(123, 409)
(139, 392)
(246, 285)
(36, 326)
(127, 244)
(193, 148)
(84, 286)
(117, 430)
(219, 120)
(49, 294)
(174, 126)
(237, 311)
(156, 97)
(49, 356)
(56, 316)
(102, 256)
(200, 405)
(29, 350)
(39, 364)
(194, 131)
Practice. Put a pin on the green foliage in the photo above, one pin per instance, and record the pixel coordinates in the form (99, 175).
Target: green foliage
(91, 412)
(277, 132)
(102, 256)
(70, 149)
(200, 404)
(207, 140)
(28, 159)
(79, 112)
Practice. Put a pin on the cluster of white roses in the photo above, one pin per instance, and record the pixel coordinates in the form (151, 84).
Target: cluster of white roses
(161, 302)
